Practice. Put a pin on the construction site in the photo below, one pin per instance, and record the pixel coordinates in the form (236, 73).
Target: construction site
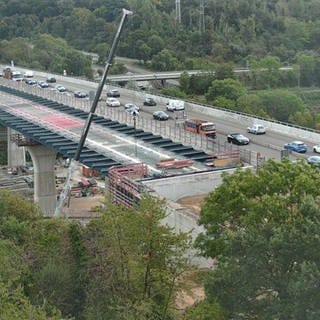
(124, 184)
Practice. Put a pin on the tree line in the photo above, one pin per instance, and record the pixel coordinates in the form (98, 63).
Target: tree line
(259, 35)
(126, 264)
(235, 30)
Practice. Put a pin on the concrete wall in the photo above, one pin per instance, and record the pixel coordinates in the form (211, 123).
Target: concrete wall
(3, 145)
(174, 188)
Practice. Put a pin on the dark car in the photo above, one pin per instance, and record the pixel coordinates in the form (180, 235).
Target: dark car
(297, 146)
(149, 102)
(238, 138)
(114, 93)
(80, 94)
(160, 115)
(51, 80)
(31, 82)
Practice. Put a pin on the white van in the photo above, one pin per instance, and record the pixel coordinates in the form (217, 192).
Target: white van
(28, 74)
(175, 105)
(17, 76)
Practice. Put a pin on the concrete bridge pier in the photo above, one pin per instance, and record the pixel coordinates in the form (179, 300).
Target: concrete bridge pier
(45, 194)
(3, 145)
(16, 154)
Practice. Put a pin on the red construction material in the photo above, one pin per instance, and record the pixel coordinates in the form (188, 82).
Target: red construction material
(88, 172)
(174, 163)
(122, 187)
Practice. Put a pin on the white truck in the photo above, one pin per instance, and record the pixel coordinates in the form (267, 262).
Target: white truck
(175, 105)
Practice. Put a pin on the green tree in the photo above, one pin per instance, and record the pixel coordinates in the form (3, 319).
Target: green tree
(223, 71)
(134, 262)
(200, 83)
(205, 310)
(184, 81)
(144, 52)
(164, 61)
(57, 272)
(227, 88)
(280, 104)
(266, 73)
(263, 228)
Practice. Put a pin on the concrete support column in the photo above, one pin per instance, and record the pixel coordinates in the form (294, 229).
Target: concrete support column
(16, 154)
(45, 193)
(3, 145)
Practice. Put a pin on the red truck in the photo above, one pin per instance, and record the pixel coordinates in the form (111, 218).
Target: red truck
(200, 127)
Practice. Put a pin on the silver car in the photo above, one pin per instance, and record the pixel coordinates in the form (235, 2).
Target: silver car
(314, 160)
(257, 129)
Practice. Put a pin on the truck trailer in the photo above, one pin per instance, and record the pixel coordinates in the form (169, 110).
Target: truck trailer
(202, 127)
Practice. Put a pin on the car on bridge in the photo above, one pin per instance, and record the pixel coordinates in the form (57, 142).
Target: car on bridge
(160, 115)
(114, 93)
(316, 148)
(296, 146)
(31, 82)
(43, 84)
(237, 138)
(80, 94)
(61, 88)
(51, 80)
(314, 160)
(149, 102)
(112, 102)
(131, 108)
(257, 129)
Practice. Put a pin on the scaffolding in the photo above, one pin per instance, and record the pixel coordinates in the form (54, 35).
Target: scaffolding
(123, 187)
(22, 141)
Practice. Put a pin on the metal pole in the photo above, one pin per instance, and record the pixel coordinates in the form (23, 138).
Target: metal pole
(66, 190)
(86, 127)
(134, 115)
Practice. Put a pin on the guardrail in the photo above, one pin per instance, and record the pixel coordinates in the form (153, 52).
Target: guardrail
(174, 132)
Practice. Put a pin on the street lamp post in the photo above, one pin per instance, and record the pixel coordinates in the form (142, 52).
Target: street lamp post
(135, 114)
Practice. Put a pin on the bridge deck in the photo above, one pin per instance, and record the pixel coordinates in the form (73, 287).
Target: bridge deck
(59, 127)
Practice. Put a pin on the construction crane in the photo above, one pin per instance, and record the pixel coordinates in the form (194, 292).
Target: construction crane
(178, 11)
(66, 190)
(202, 22)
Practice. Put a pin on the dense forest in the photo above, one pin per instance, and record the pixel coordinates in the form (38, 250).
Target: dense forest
(126, 264)
(231, 31)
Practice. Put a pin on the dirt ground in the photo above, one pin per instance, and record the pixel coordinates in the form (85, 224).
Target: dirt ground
(84, 207)
(192, 293)
(192, 202)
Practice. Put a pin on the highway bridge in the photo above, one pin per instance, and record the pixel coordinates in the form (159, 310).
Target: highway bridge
(166, 75)
(56, 121)
(57, 126)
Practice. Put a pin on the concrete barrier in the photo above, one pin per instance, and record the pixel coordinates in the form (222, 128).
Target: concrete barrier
(294, 132)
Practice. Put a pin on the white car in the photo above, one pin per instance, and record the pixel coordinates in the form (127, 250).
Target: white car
(130, 107)
(175, 105)
(113, 102)
(257, 129)
(28, 74)
(316, 148)
(61, 88)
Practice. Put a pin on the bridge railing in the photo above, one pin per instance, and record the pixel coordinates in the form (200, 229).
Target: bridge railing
(172, 130)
